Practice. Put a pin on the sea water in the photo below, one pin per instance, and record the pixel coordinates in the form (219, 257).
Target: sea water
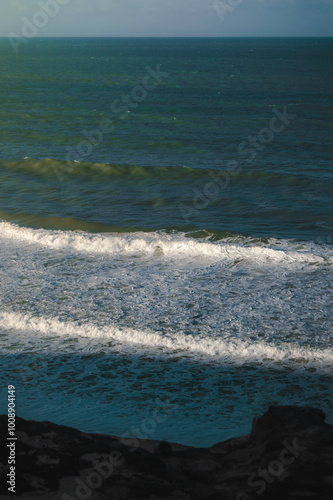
(166, 232)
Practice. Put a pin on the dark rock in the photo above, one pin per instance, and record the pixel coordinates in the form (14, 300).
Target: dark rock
(287, 456)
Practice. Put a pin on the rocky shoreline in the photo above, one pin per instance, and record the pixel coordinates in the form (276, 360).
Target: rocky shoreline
(288, 455)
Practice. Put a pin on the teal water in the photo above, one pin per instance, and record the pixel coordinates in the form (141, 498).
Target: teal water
(166, 230)
(217, 94)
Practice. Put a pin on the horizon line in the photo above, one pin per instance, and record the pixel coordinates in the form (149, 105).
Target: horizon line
(169, 36)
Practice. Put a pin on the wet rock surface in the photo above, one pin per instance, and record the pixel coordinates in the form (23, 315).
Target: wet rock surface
(287, 456)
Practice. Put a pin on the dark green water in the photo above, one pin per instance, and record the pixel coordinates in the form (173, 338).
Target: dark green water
(213, 98)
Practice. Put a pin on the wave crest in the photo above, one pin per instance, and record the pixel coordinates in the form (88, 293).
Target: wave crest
(218, 349)
(175, 246)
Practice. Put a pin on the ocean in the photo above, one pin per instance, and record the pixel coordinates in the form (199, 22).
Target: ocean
(166, 232)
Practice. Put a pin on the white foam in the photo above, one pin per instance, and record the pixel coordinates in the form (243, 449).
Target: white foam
(219, 349)
(159, 245)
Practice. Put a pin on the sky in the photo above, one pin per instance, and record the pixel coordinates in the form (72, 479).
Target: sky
(166, 18)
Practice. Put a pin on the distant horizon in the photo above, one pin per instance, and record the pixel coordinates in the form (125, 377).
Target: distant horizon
(177, 37)
(167, 19)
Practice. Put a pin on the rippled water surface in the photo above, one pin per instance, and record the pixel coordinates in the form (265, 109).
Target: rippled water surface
(183, 259)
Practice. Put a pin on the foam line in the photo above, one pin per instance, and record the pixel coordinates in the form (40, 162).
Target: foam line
(155, 244)
(204, 348)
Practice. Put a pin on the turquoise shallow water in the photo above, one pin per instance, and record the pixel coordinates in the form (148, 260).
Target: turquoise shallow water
(166, 231)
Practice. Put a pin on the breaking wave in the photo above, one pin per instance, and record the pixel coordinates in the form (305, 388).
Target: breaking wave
(175, 246)
(218, 349)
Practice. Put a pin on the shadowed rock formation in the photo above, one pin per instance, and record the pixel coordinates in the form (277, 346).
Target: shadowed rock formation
(287, 456)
